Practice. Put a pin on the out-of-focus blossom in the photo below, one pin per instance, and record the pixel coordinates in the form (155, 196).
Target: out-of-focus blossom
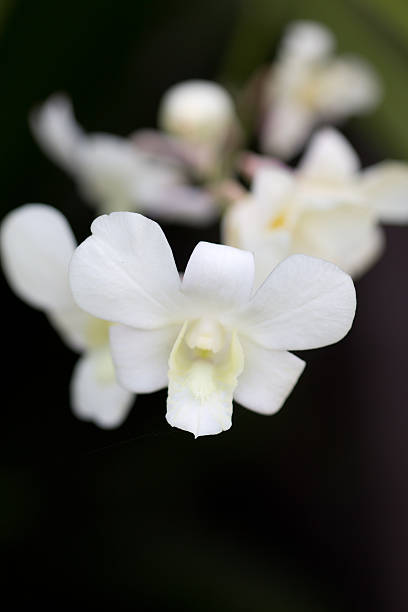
(199, 112)
(199, 127)
(36, 247)
(327, 208)
(308, 84)
(113, 173)
(209, 337)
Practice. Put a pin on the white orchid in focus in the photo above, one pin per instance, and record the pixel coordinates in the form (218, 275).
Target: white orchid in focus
(208, 337)
(308, 85)
(328, 207)
(36, 247)
(113, 173)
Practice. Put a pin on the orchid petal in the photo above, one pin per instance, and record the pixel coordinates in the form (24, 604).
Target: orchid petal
(56, 130)
(242, 225)
(271, 250)
(71, 324)
(244, 228)
(286, 127)
(385, 187)
(201, 390)
(329, 157)
(125, 272)
(159, 144)
(141, 356)
(307, 41)
(95, 394)
(346, 235)
(347, 86)
(270, 188)
(108, 167)
(219, 276)
(304, 303)
(179, 202)
(267, 379)
(36, 246)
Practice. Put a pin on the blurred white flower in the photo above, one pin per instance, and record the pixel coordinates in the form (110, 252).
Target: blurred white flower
(307, 85)
(207, 336)
(36, 247)
(198, 112)
(113, 173)
(200, 117)
(327, 208)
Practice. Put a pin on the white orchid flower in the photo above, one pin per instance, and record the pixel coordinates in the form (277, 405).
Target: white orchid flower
(308, 85)
(36, 247)
(326, 208)
(113, 173)
(207, 337)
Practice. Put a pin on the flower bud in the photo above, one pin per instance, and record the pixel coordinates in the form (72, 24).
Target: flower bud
(199, 112)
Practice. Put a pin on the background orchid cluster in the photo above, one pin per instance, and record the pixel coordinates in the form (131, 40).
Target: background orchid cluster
(196, 169)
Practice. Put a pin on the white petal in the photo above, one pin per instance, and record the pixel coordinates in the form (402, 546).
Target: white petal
(54, 126)
(36, 246)
(329, 157)
(348, 86)
(307, 40)
(347, 236)
(158, 144)
(270, 188)
(327, 195)
(189, 413)
(72, 325)
(304, 303)
(245, 228)
(200, 389)
(165, 147)
(242, 224)
(219, 276)
(80, 330)
(125, 272)
(385, 187)
(286, 127)
(162, 191)
(271, 250)
(233, 220)
(108, 169)
(370, 250)
(95, 395)
(141, 357)
(267, 379)
(181, 203)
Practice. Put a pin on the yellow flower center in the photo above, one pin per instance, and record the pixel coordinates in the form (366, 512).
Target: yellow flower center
(278, 222)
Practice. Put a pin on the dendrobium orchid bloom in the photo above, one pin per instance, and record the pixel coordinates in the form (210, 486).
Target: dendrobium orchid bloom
(36, 246)
(307, 85)
(208, 337)
(113, 173)
(327, 208)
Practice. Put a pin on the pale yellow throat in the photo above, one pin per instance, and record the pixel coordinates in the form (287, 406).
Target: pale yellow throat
(207, 357)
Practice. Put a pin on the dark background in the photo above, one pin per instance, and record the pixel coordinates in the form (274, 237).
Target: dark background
(303, 511)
